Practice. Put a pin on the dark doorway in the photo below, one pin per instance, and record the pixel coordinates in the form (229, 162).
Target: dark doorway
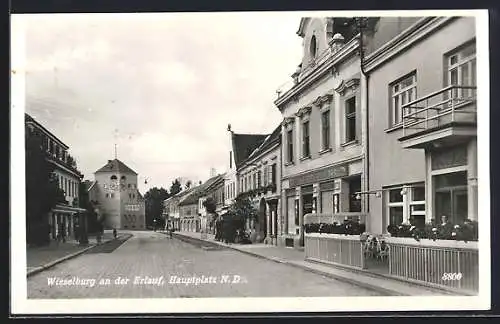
(262, 225)
(307, 204)
(354, 186)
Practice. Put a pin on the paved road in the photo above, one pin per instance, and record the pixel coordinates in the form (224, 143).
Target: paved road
(157, 266)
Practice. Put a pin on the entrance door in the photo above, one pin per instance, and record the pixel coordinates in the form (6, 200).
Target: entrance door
(307, 204)
(262, 219)
(451, 197)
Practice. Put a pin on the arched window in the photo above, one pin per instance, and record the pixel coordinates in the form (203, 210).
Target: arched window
(312, 46)
(113, 177)
(123, 178)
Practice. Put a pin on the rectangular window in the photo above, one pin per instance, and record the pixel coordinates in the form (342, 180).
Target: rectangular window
(305, 139)
(254, 181)
(407, 204)
(402, 92)
(325, 129)
(266, 181)
(461, 67)
(350, 120)
(289, 142)
(259, 179)
(274, 177)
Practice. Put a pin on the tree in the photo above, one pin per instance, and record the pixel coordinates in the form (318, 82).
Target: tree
(188, 184)
(176, 187)
(210, 205)
(154, 205)
(42, 189)
(240, 211)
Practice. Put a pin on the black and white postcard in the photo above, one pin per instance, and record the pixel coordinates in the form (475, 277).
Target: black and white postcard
(308, 161)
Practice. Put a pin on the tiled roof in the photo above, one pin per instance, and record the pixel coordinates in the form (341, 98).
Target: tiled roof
(274, 137)
(200, 190)
(116, 166)
(245, 144)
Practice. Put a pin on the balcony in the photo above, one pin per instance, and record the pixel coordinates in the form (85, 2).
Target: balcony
(444, 117)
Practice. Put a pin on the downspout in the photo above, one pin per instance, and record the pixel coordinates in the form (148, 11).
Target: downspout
(361, 25)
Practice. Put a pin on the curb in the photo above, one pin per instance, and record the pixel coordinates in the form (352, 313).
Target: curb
(67, 257)
(364, 285)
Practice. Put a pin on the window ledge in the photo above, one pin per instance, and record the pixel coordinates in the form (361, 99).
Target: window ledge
(326, 150)
(305, 158)
(289, 163)
(350, 143)
(394, 128)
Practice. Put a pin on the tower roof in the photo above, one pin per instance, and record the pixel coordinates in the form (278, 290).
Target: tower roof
(116, 166)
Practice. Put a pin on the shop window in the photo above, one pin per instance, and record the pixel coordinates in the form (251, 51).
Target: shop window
(350, 120)
(403, 91)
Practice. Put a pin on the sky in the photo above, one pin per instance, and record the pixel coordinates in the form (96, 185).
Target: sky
(163, 87)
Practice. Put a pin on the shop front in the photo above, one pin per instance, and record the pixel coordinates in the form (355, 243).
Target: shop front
(329, 190)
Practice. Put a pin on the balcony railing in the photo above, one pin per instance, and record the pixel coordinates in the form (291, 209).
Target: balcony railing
(451, 104)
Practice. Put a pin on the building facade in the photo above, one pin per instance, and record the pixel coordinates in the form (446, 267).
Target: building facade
(323, 130)
(422, 120)
(64, 217)
(260, 181)
(119, 199)
(205, 218)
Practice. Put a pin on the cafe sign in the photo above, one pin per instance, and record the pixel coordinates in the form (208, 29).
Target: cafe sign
(338, 171)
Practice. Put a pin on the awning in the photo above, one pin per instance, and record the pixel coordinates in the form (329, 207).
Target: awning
(67, 209)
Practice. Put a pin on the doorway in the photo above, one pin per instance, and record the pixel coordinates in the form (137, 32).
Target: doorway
(354, 186)
(451, 197)
(262, 224)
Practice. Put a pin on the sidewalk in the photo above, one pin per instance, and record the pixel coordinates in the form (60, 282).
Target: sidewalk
(39, 258)
(296, 258)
